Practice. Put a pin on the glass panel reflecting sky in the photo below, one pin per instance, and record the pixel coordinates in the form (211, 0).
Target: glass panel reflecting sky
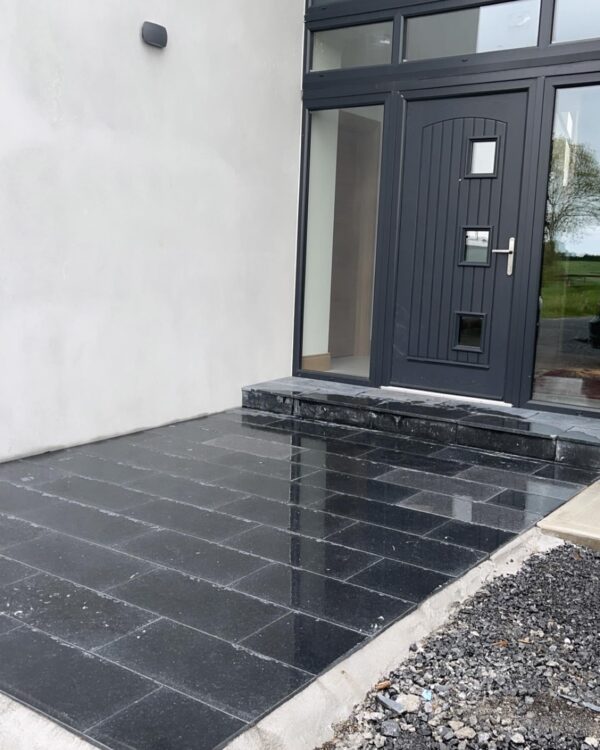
(568, 350)
(575, 20)
(353, 46)
(463, 32)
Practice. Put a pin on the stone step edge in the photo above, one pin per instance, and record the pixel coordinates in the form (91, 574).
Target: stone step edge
(576, 452)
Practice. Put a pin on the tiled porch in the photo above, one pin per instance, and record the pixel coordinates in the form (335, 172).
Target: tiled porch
(167, 589)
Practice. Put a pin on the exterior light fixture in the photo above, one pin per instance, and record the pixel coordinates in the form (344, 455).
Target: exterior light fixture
(154, 35)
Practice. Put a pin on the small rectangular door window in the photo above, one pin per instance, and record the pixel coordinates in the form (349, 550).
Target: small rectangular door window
(482, 162)
(470, 331)
(476, 247)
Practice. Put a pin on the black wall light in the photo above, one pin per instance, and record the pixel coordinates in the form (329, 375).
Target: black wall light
(154, 35)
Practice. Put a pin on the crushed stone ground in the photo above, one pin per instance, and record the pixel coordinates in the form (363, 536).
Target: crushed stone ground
(517, 667)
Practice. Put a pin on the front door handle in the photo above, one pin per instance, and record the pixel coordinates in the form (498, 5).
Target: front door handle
(511, 256)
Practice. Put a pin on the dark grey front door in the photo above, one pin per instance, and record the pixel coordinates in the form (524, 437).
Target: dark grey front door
(460, 196)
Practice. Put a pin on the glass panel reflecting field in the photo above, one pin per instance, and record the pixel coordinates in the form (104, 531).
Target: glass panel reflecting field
(568, 349)
(341, 233)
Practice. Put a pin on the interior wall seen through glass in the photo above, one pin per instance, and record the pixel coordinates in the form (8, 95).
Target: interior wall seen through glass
(567, 368)
(341, 234)
(353, 46)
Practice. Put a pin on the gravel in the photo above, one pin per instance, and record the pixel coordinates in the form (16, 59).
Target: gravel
(517, 667)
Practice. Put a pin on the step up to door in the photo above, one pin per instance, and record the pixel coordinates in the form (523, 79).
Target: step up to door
(549, 436)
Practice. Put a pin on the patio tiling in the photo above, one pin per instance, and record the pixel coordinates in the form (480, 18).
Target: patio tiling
(167, 589)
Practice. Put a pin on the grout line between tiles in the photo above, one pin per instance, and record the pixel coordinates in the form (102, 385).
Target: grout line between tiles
(121, 710)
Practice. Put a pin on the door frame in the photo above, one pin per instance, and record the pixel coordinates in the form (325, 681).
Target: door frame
(541, 78)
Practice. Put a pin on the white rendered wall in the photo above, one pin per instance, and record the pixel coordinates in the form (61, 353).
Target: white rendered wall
(148, 210)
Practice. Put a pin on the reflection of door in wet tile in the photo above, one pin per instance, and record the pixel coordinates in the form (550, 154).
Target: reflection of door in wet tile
(357, 188)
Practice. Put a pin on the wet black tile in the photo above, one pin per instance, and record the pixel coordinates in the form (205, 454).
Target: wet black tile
(526, 483)
(29, 472)
(290, 517)
(567, 474)
(73, 613)
(375, 439)
(485, 513)
(252, 417)
(331, 482)
(308, 427)
(399, 579)
(483, 538)
(194, 556)
(491, 460)
(185, 491)
(506, 442)
(97, 494)
(350, 416)
(463, 486)
(326, 598)
(343, 464)
(143, 457)
(11, 571)
(102, 469)
(539, 505)
(199, 604)
(255, 446)
(383, 514)
(269, 467)
(416, 462)
(63, 682)
(13, 531)
(81, 562)
(445, 558)
(331, 445)
(7, 624)
(206, 668)
(302, 552)
(167, 720)
(179, 448)
(304, 642)
(87, 523)
(20, 501)
(275, 489)
(205, 524)
(428, 429)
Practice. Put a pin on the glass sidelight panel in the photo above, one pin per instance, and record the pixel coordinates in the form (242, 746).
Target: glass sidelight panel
(353, 46)
(341, 235)
(567, 368)
(489, 28)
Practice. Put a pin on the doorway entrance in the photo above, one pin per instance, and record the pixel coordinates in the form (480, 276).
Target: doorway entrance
(458, 244)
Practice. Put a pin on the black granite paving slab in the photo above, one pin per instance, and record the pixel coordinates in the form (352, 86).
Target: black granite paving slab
(211, 670)
(76, 614)
(286, 516)
(164, 720)
(186, 491)
(168, 588)
(65, 683)
(299, 551)
(200, 558)
(199, 604)
(339, 602)
(76, 560)
(104, 495)
(305, 642)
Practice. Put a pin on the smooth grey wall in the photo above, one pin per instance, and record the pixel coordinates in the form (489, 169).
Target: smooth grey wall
(148, 208)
